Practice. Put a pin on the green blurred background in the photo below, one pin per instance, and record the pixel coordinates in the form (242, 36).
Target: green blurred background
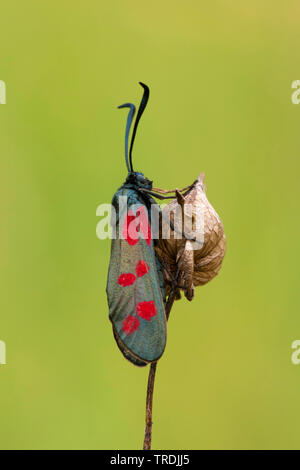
(220, 76)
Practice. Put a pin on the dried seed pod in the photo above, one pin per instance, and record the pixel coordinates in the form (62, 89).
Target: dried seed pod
(194, 251)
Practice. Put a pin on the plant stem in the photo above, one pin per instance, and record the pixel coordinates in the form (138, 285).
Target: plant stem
(150, 387)
(149, 400)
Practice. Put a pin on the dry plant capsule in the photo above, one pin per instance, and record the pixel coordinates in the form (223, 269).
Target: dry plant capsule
(196, 257)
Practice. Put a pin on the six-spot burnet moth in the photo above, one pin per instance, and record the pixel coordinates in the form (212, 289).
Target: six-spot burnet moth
(135, 285)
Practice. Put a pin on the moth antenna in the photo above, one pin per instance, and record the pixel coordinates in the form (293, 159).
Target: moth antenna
(128, 125)
(143, 105)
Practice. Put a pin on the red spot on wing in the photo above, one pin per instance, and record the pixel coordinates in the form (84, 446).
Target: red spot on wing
(146, 310)
(126, 279)
(142, 268)
(130, 324)
(130, 229)
(136, 224)
(144, 224)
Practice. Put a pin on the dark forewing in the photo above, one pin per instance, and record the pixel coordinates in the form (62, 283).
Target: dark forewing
(136, 306)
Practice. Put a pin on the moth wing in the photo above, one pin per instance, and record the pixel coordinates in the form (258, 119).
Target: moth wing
(136, 305)
(126, 353)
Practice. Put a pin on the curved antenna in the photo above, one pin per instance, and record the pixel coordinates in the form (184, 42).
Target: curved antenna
(128, 125)
(143, 105)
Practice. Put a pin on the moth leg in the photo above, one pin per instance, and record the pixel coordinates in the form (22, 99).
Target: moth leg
(158, 196)
(158, 192)
(167, 191)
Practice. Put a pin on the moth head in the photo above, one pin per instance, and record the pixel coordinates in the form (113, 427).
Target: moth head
(143, 181)
(139, 180)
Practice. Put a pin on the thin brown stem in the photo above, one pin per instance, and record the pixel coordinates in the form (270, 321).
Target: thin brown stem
(150, 387)
(149, 400)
